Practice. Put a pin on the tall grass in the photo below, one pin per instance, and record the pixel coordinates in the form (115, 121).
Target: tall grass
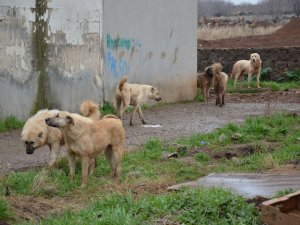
(217, 33)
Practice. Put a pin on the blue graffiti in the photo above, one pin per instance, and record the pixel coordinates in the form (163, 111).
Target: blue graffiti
(112, 63)
(117, 67)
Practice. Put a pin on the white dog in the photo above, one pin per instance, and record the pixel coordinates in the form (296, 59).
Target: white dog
(250, 67)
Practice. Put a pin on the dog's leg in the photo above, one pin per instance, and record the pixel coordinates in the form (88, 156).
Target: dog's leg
(133, 114)
(54, 149)
(85, 168)
(125, 104)
(241, 80)
(207, 93)
(217, 98)
(204, 91)
(249, 80)
(72, 161)
(119, 102)
(235, 80)
(223, 99)
(92, 166)
(114, 156)
(257, 78)
(141, 115)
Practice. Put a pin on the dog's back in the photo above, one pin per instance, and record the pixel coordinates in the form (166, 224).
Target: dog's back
(240, 67)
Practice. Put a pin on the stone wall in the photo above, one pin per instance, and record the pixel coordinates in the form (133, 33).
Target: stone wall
(279, 59)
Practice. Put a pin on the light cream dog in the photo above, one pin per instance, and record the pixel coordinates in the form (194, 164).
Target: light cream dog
(86, 138)
(220, 80)
(250, 67)
(134, 94)
(36, 133)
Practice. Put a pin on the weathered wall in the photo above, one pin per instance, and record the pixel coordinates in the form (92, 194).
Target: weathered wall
(50, 54)
(152, 42)
(17, 79)
(279, 59)
(57, 53)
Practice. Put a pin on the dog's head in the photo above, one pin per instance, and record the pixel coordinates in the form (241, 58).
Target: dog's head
(60, 120)
(209, 71)
(154, 94)
(254, 58)
(33, 138)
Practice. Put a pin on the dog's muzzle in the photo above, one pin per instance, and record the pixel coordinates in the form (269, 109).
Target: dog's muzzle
(158, 99)
(50, 123)
(29, 149)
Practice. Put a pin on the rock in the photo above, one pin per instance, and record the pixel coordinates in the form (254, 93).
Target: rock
(222, 138)
(236, 136)
(50, 190)
(134, 174)
(236, 160)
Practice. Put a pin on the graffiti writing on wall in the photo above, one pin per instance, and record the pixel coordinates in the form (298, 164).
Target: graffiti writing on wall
(119, 66)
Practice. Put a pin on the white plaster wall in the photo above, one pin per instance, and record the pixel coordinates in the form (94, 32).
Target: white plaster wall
(17, 80)
(75, 61)
(157, 45)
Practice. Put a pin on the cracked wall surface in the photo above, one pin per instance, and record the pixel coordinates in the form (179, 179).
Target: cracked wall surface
(56, 53)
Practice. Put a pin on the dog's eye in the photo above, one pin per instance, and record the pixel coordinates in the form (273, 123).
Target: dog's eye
(57, 115)
(29, 142)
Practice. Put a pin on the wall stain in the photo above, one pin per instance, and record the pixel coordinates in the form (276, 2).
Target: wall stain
(41, 52)
(175, 55)
(163, 55)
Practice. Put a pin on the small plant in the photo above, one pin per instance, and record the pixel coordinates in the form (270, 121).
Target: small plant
(290, 76)
(202, 157)
(10, 123)
(4, 211)
(108, 108)
(265, 74)
(283, 192)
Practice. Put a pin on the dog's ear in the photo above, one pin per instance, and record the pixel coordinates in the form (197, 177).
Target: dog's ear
(152, 89)
(70, 120)
(40, 134)
(209, 71)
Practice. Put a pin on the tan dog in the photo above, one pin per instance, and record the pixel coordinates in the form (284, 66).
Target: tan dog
(134, 94)
(86, 138)
(204, 81)
(250, 67)
(220, 80)
(36, 133)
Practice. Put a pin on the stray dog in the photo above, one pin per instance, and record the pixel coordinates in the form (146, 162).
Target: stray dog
(204, 81)
(86, 138)
(36, 133)
(134, 94)
(250, 67)
(220, 80)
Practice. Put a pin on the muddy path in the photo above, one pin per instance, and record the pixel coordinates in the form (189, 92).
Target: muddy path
(171, 122)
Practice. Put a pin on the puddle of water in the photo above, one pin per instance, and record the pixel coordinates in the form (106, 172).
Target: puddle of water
(249, 185)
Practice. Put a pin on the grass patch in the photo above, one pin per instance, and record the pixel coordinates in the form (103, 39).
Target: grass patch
(10, 123)
(107, 108)
(201, 206)
(5, 212)
(140, 197)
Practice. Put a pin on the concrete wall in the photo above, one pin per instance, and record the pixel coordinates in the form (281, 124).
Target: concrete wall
(152, 42)
(279, 59)
(66, 56)
(57, 53)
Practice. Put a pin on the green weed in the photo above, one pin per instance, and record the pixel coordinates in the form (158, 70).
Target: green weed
(10, 123)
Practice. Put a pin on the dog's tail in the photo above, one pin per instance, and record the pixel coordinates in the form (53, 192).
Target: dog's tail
(90, 109)
(217, 67)
(122, 82)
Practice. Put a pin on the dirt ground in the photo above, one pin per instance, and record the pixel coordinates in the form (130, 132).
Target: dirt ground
(171, 122)
(287, 36)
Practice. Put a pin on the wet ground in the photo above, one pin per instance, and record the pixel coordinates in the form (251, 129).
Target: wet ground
(171, 122)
